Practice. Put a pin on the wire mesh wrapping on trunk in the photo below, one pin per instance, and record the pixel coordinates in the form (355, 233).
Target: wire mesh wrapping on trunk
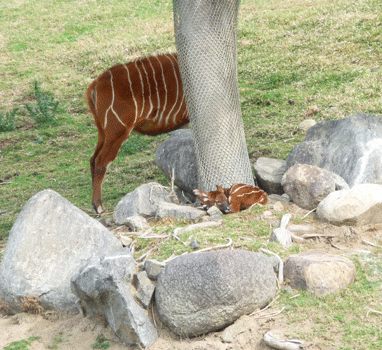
(205, 32)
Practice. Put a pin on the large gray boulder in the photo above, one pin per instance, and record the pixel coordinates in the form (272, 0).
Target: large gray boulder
(202, 292)
(176, 157)
(319, 272)
(308, 185)
(269, 172)
(361, 205)
(350, 147)
(49, 241)
(103, 284)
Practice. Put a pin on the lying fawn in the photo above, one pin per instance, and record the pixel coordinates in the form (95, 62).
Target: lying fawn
(146, 96)
(234, 199)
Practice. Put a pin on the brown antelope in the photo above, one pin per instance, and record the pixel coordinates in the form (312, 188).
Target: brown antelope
(146, 96)
(234, 199)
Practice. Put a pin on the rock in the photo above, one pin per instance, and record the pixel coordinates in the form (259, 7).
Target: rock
(361, 205)
(319, 272)
(175, 211)
(215, 213)
(230, 333)
(306, 124)
(137, 223)
(194, 244)
(49, 240)
(142, 201)
(201, 292)
(153, 268)
(278, 206)
(145, 288)
(176, 157)
(308, 185)
(104, 285)
(350, 147)
(269, 172)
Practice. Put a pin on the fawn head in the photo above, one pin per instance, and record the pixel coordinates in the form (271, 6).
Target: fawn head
(217, 198)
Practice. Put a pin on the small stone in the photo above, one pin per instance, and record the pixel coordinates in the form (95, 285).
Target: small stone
(153, 268)
(305, 125)
(126, 241)
(194, 244)
(267, 214)
(145, 288)
(137, 223)
(278, 207)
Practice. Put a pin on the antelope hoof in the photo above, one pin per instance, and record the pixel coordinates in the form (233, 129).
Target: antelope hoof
(99, 209)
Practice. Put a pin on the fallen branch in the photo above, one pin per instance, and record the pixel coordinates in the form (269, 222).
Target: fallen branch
(179, 230)
(366, 242)
(318, 235)
(308, 213)
(373, 311)
(334, 246)
(281, 344)
(296, 238)
(266, 307)
(3, 211)
(217, 247)
(5, 183)
(272, 314)
(281, 265)
(145, 255)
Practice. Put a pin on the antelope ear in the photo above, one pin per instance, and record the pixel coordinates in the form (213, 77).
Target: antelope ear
(201, 194)
(220, 189)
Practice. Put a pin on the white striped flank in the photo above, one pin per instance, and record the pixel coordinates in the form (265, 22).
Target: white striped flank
(112, 103)
(156, 88)
(248, 193)
(143, 89)
(177, 92)
(237, 189)
(183, 100)
(132, 93)
(148, 85)
(165, 89)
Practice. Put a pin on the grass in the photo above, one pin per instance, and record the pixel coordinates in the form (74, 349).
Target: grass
(292, 56)
(21, 344)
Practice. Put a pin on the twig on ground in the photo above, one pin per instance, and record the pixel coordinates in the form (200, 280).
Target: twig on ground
(333, 245)
(272, 314)
(281, 265)
(308, 213)
(196, 226)
(296, 238)
(145, 255)
(366, 242)
(266, 307)
(3, 211)
(5, 183)
(373, 311)
(217, 247)
(295, 296)
(317, 235)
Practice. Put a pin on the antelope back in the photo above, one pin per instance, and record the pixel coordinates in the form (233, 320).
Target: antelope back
(241, 196)
(145, 95)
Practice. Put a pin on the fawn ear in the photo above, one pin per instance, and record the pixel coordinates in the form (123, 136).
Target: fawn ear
(201, 194)
(220, 189)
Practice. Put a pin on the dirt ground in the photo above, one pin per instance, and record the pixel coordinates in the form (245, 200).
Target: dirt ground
(73, 331)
